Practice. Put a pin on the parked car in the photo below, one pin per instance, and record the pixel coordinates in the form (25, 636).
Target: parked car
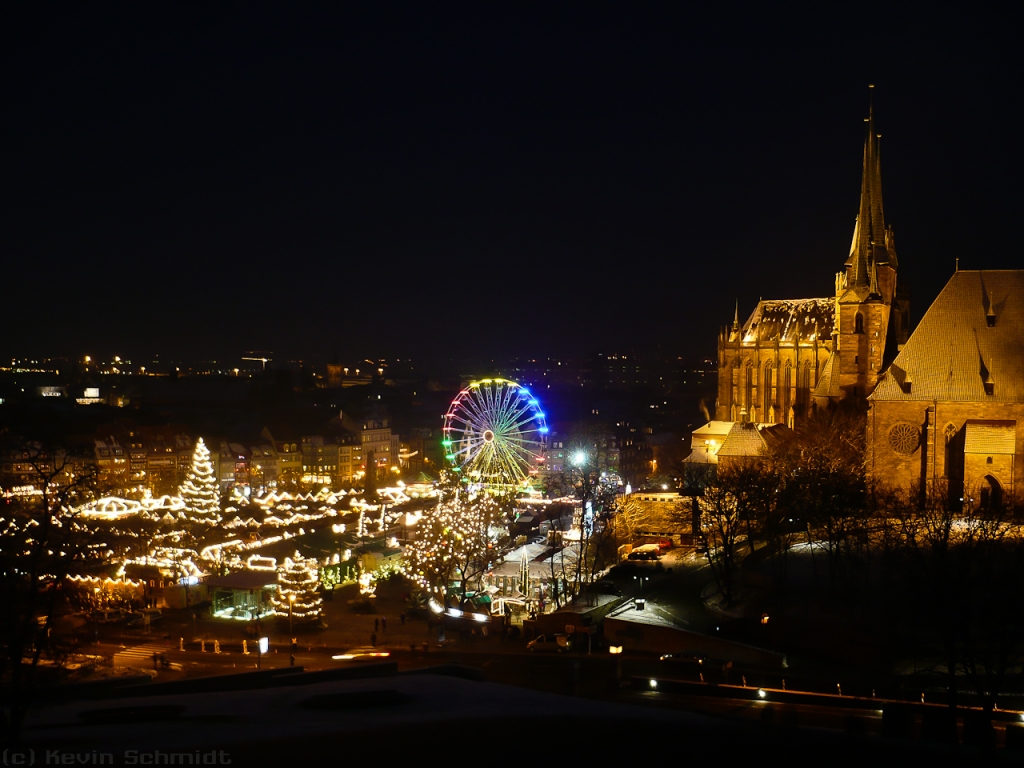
(643, 554)
(557, 643)
(607, 588)
(138, 618)
(682, 659)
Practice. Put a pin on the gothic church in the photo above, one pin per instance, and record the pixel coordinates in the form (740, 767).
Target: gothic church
(792, 354)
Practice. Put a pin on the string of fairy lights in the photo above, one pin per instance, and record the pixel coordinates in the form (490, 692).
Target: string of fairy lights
(495, 431)
(297, 594)
(190, 536)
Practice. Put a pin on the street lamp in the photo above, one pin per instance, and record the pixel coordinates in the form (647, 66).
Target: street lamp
(291, 603)
(580, 462)
(617, 651)
(264, 647)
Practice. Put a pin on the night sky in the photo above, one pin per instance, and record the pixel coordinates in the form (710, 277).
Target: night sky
(480, 179)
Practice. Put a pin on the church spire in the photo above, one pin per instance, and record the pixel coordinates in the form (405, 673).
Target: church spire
(872, 243)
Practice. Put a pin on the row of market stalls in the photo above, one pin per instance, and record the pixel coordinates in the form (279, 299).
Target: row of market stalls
(524, 583)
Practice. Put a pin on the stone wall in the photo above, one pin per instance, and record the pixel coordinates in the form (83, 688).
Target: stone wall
(938, 455)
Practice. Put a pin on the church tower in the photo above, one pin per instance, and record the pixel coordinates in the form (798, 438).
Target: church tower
(871, 313)
(793, 354)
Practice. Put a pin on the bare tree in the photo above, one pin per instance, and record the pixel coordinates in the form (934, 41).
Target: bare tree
(951, 573)
(770, 516)
(821, 477)
(631, 516)
(583, 552)
(721, 528)
(43, 542)
(586, 544)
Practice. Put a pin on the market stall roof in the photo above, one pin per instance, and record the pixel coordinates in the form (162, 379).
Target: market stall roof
(243, 580)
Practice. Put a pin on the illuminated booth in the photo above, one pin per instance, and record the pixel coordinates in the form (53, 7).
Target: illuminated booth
(243, 595)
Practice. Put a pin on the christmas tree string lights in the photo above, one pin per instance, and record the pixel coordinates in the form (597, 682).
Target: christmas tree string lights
(297, 590)
(200, 491)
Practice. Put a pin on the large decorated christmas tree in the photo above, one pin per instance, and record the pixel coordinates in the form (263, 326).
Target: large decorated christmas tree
(297, 587)
(200, 491)
(455, 545)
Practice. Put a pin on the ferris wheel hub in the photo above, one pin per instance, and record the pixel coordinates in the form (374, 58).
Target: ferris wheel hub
(488, 436)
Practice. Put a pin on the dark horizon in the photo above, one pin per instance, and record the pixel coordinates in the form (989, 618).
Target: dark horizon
(394, 181)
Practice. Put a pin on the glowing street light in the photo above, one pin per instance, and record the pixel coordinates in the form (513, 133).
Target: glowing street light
(579, 458)
(264, 647)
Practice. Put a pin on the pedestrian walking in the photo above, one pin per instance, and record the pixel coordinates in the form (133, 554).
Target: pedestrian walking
(373, 639)
(401, 618)
(384, 623)
(376, 624)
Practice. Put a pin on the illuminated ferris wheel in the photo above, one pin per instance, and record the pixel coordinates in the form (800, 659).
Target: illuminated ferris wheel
(494, 433)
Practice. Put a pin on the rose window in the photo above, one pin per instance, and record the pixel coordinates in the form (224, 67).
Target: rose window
(904, 438)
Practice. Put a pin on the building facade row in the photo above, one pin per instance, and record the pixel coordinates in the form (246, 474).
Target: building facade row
(134, 461)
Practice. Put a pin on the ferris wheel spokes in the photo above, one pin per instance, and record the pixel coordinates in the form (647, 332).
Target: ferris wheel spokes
(494, 431)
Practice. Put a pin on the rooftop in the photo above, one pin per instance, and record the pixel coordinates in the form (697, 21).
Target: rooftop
(243, 580)
(969, 341)
(789, 320)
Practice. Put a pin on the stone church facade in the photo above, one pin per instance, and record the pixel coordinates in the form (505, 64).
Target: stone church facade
(945, 405)
(948, 415)
(793, 354)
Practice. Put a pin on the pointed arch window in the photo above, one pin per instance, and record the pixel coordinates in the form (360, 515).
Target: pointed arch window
(858, 323)
(949, 432)
(767, 397)
(748, 389)
(787, 384)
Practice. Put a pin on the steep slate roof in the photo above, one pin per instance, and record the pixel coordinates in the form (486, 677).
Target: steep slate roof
(953, 352)
(747, 439)
(713, 428)
(828, 382)
(872, 242)
(789, 319)
(995, 437)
